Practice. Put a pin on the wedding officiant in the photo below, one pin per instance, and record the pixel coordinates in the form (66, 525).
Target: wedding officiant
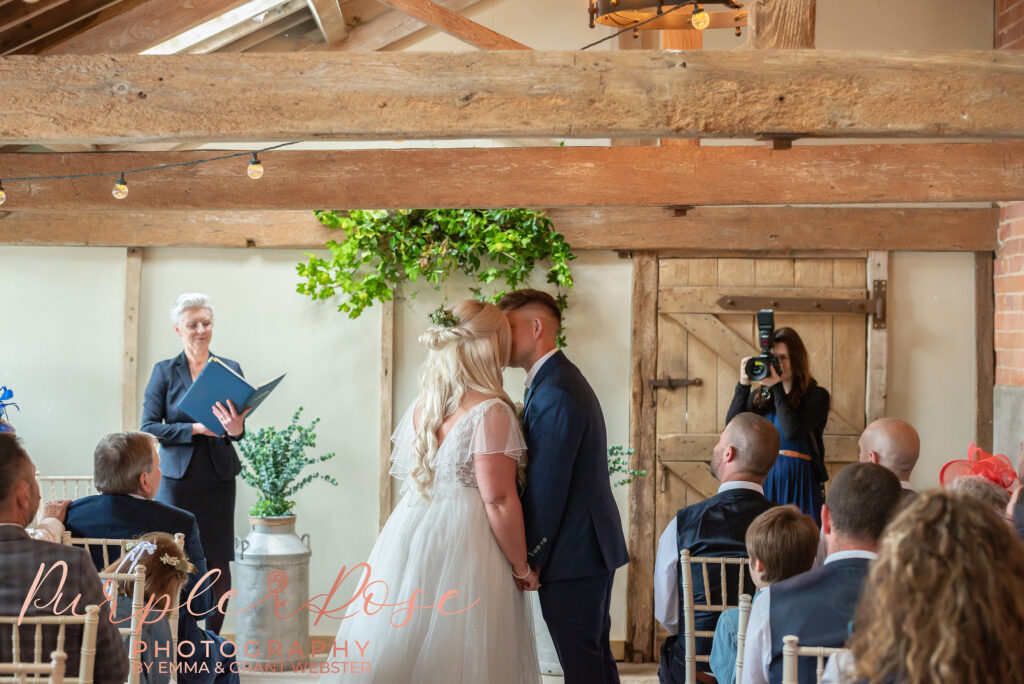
(199, 466)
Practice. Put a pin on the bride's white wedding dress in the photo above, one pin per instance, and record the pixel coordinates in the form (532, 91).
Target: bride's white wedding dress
(439, 544)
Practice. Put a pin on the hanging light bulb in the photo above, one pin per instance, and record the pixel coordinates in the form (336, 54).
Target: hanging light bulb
(120, 190)
(3, 195)
(700, 19)
(255, 169)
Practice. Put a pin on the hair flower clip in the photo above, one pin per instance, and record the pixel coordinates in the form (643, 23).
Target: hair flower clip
(443, 317)
(180, 564)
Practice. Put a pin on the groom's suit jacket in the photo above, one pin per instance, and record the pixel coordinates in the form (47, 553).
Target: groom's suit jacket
(573, 528)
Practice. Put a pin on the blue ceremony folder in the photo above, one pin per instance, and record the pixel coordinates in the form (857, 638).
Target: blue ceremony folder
(216, 383)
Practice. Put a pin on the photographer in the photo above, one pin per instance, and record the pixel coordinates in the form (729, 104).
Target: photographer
(790, 397)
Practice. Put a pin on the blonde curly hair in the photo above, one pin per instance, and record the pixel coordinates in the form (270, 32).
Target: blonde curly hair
(466, 356)
(944, 603)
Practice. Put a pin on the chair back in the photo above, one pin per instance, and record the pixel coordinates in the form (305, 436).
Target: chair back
(741, 633)
(722, 569)
(20, 672)
(792, 651)
(134, 631)
(35, 625)
(65, 486)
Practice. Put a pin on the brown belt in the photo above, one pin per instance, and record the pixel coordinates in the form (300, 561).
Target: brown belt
(794, 454)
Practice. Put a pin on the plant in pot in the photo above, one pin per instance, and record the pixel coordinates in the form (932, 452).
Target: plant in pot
(272, 558)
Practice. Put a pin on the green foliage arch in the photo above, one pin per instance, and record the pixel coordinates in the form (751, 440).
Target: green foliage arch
(382, 251)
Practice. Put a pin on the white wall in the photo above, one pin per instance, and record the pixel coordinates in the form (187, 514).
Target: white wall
(60, 350)
(932, 378)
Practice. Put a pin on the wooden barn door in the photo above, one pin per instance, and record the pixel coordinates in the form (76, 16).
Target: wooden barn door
(701, 337)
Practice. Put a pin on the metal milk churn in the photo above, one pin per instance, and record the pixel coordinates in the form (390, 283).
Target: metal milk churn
(272, 558)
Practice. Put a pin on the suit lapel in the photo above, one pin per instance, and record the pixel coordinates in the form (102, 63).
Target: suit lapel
(557, 358)
(181, 366)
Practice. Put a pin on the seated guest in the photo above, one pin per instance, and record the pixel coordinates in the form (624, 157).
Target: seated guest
(893, 444)
(818, 606)
(126, 470)
(21, 557)
(944, 603)
(781, 543)
(167, 571)
(982, 489)
(718, 526)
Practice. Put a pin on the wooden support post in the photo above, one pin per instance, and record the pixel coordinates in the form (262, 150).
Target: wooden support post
(130, 357)
(785, 24)
(329, 19)
(984, 311)
(387, 388)
(878, 344)
(642, 437)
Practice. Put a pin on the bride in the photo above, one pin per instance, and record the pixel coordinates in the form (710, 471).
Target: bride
(459, 525)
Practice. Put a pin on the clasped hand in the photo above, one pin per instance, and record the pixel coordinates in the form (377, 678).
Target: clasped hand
(531, 582)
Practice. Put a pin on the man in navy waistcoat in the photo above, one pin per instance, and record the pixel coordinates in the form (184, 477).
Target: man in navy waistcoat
(818, 606)
(745, 452)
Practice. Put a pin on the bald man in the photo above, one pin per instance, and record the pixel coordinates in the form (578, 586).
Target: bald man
(745, 452)
(893, 444)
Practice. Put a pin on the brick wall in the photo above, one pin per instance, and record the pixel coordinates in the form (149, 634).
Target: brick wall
(1009, 266)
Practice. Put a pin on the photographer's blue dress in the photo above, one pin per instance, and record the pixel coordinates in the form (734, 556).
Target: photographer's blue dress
(799, 474)
(793, 480)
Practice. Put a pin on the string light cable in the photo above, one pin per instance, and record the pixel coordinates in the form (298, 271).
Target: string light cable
(255, 168)
(120, 191)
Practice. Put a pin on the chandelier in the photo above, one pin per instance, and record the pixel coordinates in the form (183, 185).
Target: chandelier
(667, 15)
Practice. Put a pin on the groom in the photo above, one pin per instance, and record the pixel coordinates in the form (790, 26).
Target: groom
(573, 531)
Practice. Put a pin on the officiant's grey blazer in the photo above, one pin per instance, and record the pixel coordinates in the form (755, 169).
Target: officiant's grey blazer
(162, 418)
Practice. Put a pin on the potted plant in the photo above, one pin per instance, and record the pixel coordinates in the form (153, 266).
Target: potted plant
(272, 557)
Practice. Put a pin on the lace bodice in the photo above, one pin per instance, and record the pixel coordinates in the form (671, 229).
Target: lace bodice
(490, 427)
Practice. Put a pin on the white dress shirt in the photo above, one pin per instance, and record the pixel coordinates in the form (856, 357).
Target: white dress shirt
(48, 530)
(757, 653)
(666, 566)
(532, 373)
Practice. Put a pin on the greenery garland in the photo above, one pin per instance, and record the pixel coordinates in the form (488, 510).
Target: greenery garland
(384, 250)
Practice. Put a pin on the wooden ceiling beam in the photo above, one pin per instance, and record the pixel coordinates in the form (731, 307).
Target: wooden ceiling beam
(290, 11)
(386, 30)
(751, 230)
(54, 19)
(535, 177)
(431, 95)
(455, 25)
(329, 19)
(145, 25)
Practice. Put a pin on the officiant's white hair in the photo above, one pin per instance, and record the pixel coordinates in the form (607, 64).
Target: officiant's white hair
(189, 300)
(466, 356)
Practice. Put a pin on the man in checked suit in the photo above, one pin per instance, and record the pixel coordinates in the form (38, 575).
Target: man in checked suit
(20, 561)
(573, 531)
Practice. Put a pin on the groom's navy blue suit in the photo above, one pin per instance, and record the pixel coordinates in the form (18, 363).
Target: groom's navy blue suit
(573, 529)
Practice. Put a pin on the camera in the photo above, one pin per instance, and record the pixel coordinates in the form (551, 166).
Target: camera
(757, 367)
